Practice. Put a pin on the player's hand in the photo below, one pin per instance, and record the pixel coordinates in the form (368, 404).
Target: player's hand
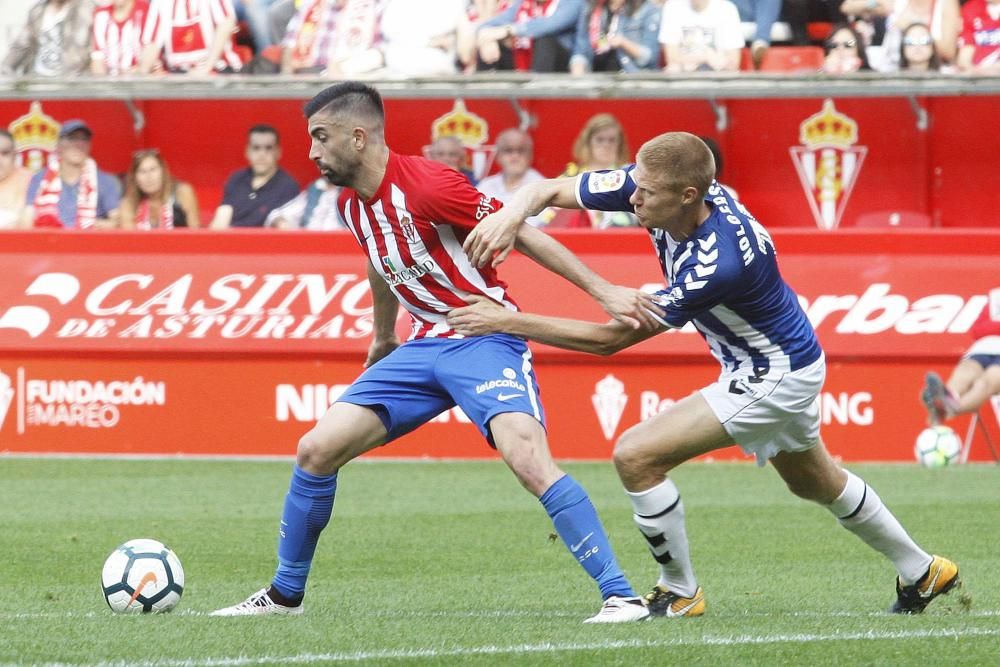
(492, 239)
(380, 348)
(482, 316)
(629, 306)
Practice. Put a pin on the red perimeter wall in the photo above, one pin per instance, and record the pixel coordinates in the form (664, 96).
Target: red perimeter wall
(948, 171)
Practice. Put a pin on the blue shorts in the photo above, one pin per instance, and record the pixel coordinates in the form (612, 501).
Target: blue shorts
(483, 375)
(985, 360)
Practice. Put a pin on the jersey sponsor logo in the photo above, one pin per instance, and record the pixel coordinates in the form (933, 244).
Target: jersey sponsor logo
(606, 182)
(506, 383)
(398, 275)
(828, 162)
(609, 400)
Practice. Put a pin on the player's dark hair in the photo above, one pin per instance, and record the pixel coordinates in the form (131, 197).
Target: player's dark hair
(264, 129)
(352, 98)
(5, 133)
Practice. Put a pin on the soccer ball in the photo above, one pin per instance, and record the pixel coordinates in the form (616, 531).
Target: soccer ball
(937, 447)
(142, 576)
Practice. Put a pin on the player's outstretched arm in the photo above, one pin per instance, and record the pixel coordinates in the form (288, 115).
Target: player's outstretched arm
(386, 307)
(492, 239)
(483, 316)
(627, 305)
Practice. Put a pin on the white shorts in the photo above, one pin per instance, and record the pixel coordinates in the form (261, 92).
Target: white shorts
(772, 414)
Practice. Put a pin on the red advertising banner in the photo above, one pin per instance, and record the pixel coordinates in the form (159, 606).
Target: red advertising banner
(869, 410)
(868, 293)
(234, 343)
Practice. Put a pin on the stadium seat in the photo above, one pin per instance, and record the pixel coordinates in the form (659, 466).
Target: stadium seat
(788, 59)
(901, 219)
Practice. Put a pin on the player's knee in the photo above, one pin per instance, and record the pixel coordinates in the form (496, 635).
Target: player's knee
(632, 456)
(315, 455)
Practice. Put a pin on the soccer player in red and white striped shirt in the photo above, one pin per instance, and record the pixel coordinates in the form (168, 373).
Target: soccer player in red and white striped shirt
(118, 37)
(410, 216)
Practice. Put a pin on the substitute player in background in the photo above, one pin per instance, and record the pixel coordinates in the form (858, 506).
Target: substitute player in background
(720, 268)
(976, 377)
(410, 216)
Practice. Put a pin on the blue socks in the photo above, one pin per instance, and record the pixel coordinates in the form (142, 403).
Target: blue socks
(308, 506)
(576, 522)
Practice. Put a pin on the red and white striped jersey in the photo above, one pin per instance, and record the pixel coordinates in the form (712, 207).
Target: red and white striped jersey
(119, 43)
(412, 230)
(185, 29)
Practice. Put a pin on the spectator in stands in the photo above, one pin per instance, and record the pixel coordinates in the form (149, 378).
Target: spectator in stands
(980, 42)
(943, 18)
(601, 145)
(418, 38)
(314, 208)
(13, 184)
(333, 37)
(191, 36)
(764, 14)
(153, 199)
(117, 44)
(515, 153)
(867, 18)
(477, 12)
(258, 19)
(917, 51)
(279, 15)
(251, 194)
(544, 28)
(701, 35)
(976, 378)
(72, 192)
(55, 41)
(845, 51)
(12, 21)
(617, 36)
(449, 149)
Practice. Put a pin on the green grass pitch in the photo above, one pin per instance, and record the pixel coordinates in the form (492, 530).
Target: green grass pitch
(452, 563)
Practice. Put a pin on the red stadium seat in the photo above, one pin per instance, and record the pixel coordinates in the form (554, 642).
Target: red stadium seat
(901, 219)
(792, 59)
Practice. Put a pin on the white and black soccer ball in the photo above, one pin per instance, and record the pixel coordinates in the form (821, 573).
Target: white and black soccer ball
(937, 447)
(142, 576)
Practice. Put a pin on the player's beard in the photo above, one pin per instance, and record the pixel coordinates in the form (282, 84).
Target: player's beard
(330, 174)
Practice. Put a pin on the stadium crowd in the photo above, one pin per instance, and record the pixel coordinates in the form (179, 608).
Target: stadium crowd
(401, 38)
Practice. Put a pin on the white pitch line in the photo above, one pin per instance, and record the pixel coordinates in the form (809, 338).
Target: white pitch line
(978, 613)
(546, 647)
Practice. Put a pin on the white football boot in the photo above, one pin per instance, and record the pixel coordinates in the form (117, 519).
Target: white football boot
(259, 604)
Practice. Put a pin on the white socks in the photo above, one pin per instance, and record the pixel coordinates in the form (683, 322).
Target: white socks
(659, 513)
(859, 509)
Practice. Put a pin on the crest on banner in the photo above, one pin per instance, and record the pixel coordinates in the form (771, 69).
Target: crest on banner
(828, 162)
(473, 131)
(35, 136)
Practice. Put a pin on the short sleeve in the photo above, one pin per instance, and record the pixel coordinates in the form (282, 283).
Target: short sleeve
(457, 202)
(606, 190)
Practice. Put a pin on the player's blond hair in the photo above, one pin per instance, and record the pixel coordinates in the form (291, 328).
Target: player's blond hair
(680, 160)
